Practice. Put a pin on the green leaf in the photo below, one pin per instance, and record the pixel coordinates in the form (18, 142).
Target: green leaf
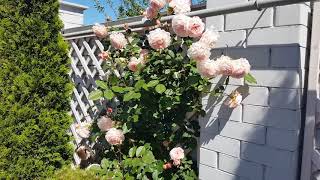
(160, 88)
(118, 89)
(135, 118)
(155, 175)
(102, 84)
(153, 83)
(125, 128)
(132, 151)
(250, 79)
(148, 157)
(95, 95)
(139, 84)
(171, 53)
(108, 94)
(128, 96)
(140, 151)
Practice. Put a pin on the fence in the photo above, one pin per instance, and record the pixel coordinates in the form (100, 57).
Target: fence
(260, 140)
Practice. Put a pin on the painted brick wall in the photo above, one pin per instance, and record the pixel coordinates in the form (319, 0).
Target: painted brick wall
(258, 140)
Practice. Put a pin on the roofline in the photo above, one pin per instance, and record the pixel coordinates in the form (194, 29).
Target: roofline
(74, 5)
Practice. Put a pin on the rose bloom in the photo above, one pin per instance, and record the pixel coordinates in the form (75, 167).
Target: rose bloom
(176, 154)
(195, 27)
(180, 6)
(118, 40)
(225, 65)
(104, 55)
(105, 123)
(114, 136)
(159, 39)
(199, 51)
(133, 64)
(100, 30)
(234, 100)
(210, 37)
(208, 68)
(144, 54)
(157, 4)
(241, 67)
(180, 25)
(151, 13)
(82, 129)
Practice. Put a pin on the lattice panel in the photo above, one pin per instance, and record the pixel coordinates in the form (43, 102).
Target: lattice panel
(85, 69)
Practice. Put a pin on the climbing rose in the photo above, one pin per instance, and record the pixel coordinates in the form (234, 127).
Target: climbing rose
(234, 100)
(144, 54)
(225, 65)
(157, 4)
(180, 25)
(167, 166)
(207, 68)
(133, 64)
(104, 55)
(199, 51)
(241, 67)
(159, 39)
(118, 40)
(105, 123)
(210, 37)
(180, 6)
(82, 129)
(151, 13)
(100, 30)
(195, 27)
(176, 154)
(114, 136)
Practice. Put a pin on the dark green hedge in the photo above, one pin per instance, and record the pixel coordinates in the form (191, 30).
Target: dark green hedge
(34, 90)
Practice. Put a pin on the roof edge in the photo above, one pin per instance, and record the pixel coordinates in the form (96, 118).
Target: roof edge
(74, 5)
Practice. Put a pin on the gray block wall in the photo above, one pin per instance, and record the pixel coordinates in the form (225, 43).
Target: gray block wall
(260, 139)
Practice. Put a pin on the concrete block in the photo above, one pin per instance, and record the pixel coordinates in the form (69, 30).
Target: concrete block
(209, 125)
(296, 14)
(266, 155)
(249, 19)
(220, 144)
(208, 157)
(257, 96)
(257, 56)
(224, 112)
(243, 131)
(279, 138)
(242, 168)
(272, 117)
(278, 78)
(231, 39)
(285, 98)
(208, 173)
(288, 57)
(280, 174)
(216, 21)
(285, 35)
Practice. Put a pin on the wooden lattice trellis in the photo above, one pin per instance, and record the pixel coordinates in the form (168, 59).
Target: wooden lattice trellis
(85, 69)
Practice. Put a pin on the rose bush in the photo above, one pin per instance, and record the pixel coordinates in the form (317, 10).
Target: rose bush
(153, 88)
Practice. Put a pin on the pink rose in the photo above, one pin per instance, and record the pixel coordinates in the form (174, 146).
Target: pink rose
(159, 39)
(105, 123)
(118, 40)
(195, 27)
(180, 6)
(157, 4)
(180, 25)
(199, 51)
(225, 65)
(210, 37)
(234, 100)
(241, 67)
(104, 55)
(176, 154)
(100, 30)
(151, 13)
(144, 54)
(134, 63)
(208, 68)
(83, 130)
(114, 136)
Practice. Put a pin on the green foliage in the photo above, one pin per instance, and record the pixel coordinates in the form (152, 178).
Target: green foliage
(74, 174)
(34, 90)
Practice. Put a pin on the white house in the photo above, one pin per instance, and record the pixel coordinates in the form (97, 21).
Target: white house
(72, 14)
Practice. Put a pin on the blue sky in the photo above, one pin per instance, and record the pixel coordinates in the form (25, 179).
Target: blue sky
(92, 15)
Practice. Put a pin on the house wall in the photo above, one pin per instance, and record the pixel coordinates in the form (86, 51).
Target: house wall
(259, 140)
(71, 14)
